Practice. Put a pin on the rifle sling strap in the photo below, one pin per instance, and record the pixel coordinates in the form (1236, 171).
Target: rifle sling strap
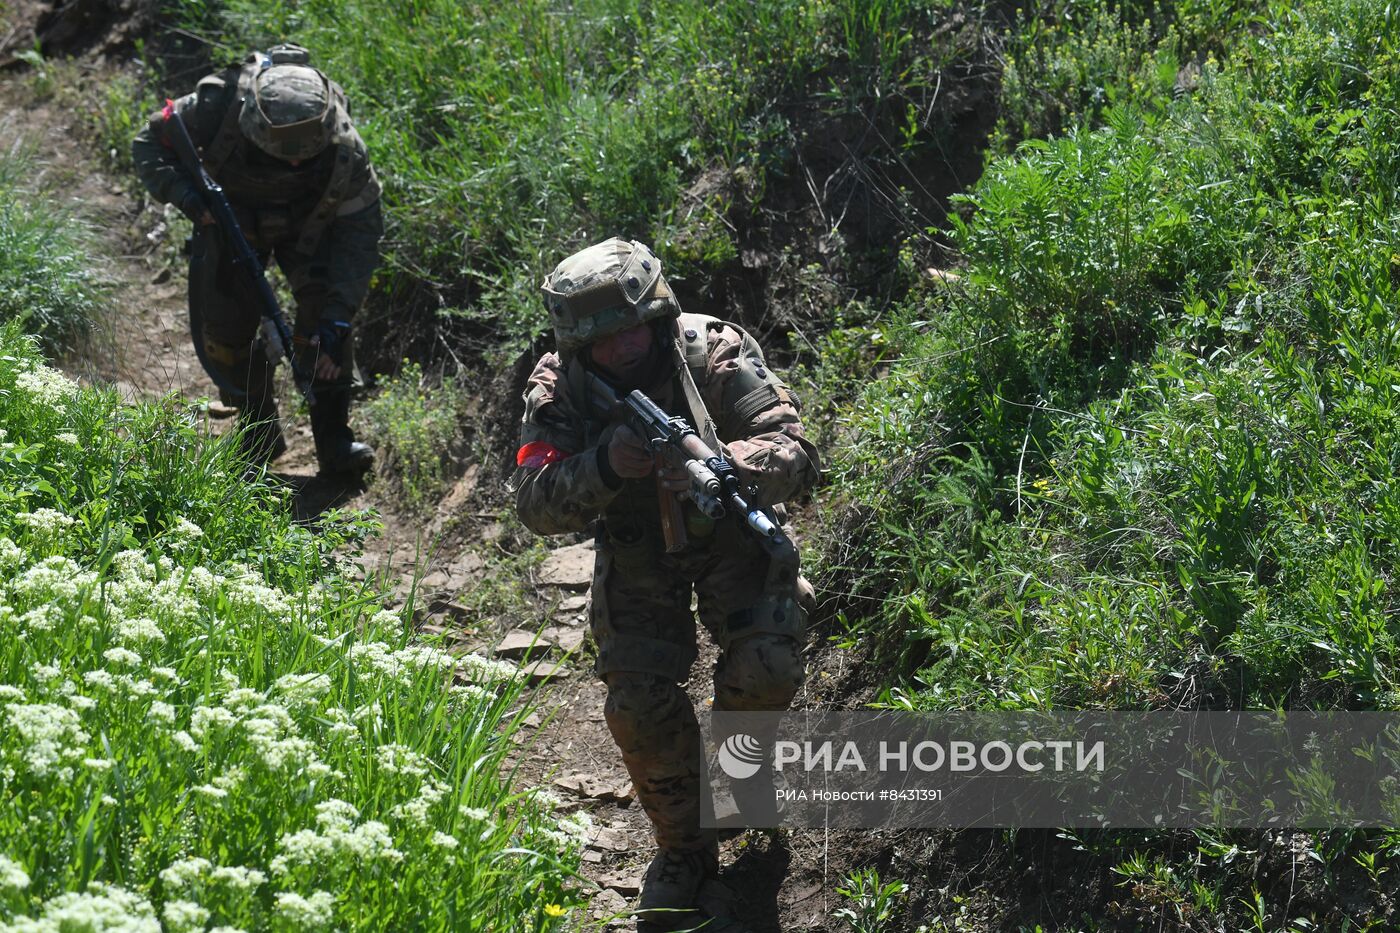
(694, 351)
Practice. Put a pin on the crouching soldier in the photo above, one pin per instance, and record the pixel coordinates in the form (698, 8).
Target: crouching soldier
(275, 134)
(614, 317)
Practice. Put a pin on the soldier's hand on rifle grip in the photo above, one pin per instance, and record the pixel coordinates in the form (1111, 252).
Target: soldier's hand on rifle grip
(329, 340)
(629, 455)
(193, 208)
(326, 368)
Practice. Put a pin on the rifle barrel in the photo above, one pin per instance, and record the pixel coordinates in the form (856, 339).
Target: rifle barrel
(244, 255)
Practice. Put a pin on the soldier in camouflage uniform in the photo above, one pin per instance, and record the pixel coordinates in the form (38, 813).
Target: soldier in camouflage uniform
(276, 135)
(614, 315)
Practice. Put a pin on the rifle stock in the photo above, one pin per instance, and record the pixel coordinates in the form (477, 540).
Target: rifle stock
(219, 208)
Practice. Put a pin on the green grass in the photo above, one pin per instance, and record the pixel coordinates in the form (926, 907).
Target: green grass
(203, 719)
(1145, 441)
(1066, 63)
(1141, 455)
(509, 135)
(48, 277)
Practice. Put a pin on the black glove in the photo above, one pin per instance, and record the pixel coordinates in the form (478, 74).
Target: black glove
(192, 206)
(332, 336)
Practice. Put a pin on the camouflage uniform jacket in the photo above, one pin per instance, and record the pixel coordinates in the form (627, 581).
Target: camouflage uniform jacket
(755, 415)
(320, 208)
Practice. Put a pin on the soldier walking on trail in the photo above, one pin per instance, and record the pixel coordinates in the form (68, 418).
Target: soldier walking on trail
(276, 135)
(615, 317)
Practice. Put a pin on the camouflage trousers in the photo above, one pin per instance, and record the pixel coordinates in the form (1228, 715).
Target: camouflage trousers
(226, 317)
(645, 629)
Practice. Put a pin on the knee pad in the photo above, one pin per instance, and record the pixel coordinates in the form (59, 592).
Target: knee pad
(643, 709)
(633, 696)
(761, 672)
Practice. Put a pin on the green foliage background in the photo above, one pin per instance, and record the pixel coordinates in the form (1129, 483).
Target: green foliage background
(1145, 443)
(510, 135)
(1138, 454)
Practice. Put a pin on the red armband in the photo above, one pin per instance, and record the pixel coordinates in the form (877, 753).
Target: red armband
(537, 454)
(166, 113)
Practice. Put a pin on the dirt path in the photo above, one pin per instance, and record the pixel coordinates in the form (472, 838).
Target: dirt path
(772, 881)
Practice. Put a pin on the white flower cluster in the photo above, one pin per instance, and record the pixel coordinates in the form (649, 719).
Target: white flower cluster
(102, 908)
(418, 811)
(50, 740)
(133, 565)
(238, 877)
(122, 657)
(138, 594)
(139, 629)
(268, 728)
(52, 578)
(185, 873)
(183, 916)
(400, 759)
(45, 385)
(337, 837)
(43, 618)
(11, 557)
(462, 696)
(189, 875)
(570, 831)
(316, 912)
(13, 877)
(128, 687)
(303, 690)
(573, 832)
(480, 816)
(185, 531)
(402, 665)
(481, 670)
(248, 592)
(45, 522)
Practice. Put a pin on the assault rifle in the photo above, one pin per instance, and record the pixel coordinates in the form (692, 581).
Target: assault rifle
(243, 255)
(714, 482)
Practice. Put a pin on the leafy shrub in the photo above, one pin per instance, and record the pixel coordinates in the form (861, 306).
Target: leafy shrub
(1069, 63)
(418, 426)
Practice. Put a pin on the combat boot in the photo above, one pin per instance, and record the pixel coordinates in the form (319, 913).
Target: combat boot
(337, 451)
(671, 886)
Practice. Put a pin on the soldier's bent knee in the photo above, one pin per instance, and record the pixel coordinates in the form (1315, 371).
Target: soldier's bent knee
(760, 672)
(640, 704)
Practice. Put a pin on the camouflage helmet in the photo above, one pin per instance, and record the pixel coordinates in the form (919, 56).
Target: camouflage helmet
(606, 288)
(290, 111)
